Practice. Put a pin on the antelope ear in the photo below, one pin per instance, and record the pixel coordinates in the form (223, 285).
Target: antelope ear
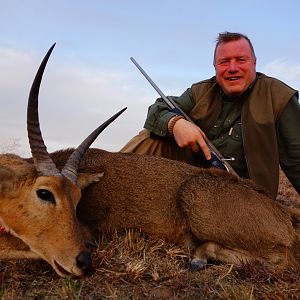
(7, 178)
(85, 179)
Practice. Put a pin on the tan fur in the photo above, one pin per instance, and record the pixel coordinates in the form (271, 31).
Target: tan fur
(217, 215)
(47, 230)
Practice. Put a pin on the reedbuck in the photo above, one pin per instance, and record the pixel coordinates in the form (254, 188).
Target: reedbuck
(38, 202)
(213, 213)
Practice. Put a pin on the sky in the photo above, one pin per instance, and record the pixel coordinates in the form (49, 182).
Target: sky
(90, 77)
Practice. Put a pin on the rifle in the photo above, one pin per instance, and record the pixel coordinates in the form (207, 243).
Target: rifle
(217, 159)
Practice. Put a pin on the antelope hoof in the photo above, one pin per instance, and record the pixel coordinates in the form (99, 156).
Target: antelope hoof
(196, 264)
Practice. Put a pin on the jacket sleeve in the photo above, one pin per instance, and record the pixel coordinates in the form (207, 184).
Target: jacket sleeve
(288, 129)
(159, 113)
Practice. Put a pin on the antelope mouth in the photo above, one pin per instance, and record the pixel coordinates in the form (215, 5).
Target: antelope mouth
(61, 269)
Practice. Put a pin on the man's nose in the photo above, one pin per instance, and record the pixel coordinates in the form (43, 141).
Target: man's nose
(232, 66)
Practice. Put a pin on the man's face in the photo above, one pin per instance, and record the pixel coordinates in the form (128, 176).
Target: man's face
(235, 66)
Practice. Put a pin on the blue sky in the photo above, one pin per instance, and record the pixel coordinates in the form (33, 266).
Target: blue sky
(90, 77)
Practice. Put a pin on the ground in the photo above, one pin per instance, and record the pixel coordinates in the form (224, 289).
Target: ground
(133, 266)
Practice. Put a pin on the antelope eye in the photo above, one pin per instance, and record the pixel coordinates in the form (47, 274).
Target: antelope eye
(45, 195)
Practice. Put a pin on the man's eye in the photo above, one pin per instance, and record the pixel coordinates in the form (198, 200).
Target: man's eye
(223, 62)
(243, 59)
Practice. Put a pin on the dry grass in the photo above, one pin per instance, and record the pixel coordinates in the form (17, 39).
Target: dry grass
(132, 266)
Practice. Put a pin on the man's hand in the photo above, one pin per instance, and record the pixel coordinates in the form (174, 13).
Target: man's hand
(188, 135)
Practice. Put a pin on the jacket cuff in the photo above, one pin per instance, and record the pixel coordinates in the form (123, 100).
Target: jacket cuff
(160, 126)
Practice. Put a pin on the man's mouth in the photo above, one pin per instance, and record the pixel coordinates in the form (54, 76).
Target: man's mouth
(233, 78)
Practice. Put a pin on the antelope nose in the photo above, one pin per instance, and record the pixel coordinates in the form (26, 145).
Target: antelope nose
(84, 261)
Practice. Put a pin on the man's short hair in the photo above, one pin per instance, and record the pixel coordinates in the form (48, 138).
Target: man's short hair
(225, 37)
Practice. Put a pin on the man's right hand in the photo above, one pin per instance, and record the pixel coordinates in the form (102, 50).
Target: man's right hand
(188, 135)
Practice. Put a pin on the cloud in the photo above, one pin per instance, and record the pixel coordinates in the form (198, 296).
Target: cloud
(285, 71)
(72, 102)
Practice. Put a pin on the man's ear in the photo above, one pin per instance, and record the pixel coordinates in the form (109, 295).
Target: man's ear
(85, 179)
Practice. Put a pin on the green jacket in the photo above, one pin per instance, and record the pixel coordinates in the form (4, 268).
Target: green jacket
(269, 115)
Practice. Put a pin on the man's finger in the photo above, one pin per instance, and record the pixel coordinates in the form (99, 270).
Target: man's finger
(204, 148)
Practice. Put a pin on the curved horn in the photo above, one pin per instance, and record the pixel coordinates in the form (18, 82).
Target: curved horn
(71, 166)
(41, 158)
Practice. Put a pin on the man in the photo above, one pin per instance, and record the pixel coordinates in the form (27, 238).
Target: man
(247, 115)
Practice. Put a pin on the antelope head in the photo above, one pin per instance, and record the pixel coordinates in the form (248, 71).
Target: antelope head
(38, 202)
